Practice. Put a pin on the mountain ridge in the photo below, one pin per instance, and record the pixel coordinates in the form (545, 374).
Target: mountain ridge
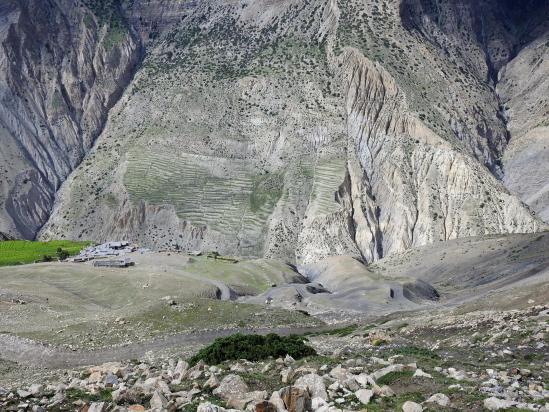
(275, 129)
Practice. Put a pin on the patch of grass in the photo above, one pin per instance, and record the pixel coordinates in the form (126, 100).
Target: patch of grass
(262, 381)
(19, 252)
(214, 313)
(104, 395)
(344, 331)
(253, 348)
(394, 376)
(394, 403)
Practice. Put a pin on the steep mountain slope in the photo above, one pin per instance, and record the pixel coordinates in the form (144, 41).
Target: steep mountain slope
(299, 130)
(524, 89)
(62, 67)
(509, 45)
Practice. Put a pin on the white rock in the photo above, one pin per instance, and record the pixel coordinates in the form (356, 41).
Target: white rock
(97, 407)
(457, 375)
(364, 379)
(379, 361)
(410, 406)
(36, 389)
(23, 394)
(209, 407)
(231, 385)
(364, 395)
(180, 369)
(420, 374)
(286, 374)
(277, 401)
(440, 399)
(314, 384)
(383, 391)
(495, 404)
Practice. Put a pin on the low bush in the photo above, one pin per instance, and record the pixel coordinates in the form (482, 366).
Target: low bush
(394, 376)
(253, 348)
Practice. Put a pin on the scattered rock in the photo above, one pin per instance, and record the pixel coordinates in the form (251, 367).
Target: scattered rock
(420, 374)
(364, 395)
(98, 407)
(410, 406)
(440, 399)
(382, 372)
(158, 401)
(495, 404)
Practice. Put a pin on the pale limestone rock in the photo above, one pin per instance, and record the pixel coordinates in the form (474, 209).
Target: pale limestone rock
(440, 399)
(314, 384)
(410, 406)
(495, 404)
(364, 395)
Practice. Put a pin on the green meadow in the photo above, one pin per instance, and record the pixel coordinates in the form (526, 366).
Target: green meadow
(19, 252)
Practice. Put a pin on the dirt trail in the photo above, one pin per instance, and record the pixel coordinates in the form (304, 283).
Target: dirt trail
(29, 353)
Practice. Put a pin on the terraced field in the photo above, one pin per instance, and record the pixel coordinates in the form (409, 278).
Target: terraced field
(328, 176)
(242, 200)
(18, 252)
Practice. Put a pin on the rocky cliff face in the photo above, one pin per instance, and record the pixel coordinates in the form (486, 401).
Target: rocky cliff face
(508, 45)
(63, 65)
(299, 130)
(274, 157)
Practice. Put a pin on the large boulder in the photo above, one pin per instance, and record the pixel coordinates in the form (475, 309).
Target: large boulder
(241, 400)
(495, 404)
(364, 395)
(440, 399)
(410, 406)
(277, 401)
(296, 399)
(230, 386)
(314, 384)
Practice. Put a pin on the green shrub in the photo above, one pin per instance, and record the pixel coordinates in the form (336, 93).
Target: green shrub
(62, 254)
(253, 348)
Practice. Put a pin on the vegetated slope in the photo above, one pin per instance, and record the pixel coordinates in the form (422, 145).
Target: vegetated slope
(299, 130)
(62, 67)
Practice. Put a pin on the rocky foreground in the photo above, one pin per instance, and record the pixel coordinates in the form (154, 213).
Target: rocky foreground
(442, 362)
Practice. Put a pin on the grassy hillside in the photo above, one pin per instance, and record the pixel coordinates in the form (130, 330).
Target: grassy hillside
(18, 252)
